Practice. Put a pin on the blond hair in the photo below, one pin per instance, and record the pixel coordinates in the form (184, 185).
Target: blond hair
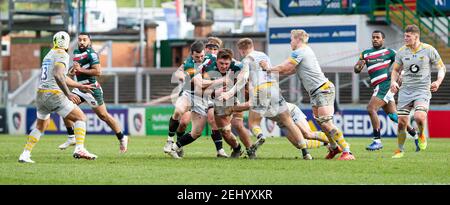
(300, 34)
(245, 43)
(412, 29)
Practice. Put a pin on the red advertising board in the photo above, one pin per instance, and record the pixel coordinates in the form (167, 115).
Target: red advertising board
(439, 123)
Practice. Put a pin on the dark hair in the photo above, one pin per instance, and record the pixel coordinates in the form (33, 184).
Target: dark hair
(225, 54)
(412, 29)
(197, 46)
(378, 31)
(85, 34)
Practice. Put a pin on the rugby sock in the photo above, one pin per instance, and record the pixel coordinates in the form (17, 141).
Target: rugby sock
(80, 134)
(338, 136)
(321, 136)
(311, 144)
(217, 138)
(237, 149)
(411, 131)
(333, 144)
(256, 130)
(70, 133)
(421, 133)
(185, 140)
(173, 126)
(179, 134)
(401, 137)
(393, 117)
(376, 135)
(302, 143)
(119, 135)
(304, 151)
(33, 138)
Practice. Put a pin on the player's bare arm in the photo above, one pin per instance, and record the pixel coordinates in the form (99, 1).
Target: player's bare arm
(205, 83)
(359, 66)
(440, 76)
(242, 79)
(179, 73)
(60, 79)
(95, 70)
(241, 107)
(285, 68)
(86, 88)
(394, 77)
(73, 70)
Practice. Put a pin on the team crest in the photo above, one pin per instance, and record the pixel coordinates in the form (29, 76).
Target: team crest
(17, 120)
(137, 119)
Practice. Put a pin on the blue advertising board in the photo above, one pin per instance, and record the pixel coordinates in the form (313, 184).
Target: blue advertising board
(356, 123)
(317, 34)
(94, 125)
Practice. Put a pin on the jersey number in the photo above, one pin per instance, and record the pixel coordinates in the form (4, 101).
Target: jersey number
(44, 72)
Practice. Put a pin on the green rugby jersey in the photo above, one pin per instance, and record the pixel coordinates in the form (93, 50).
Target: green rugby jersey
(211, 72)
(191, 68)
(86, 59)
(378, 62)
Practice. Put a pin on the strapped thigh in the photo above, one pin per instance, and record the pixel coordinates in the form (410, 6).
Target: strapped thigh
(226, 128)
(323, 119)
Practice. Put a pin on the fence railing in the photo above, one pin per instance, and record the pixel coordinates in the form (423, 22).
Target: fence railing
(154, 86)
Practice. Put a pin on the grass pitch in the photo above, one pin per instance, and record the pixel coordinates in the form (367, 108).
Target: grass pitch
(279, 163)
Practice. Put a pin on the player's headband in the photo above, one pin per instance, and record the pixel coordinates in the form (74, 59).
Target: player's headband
(210, 45)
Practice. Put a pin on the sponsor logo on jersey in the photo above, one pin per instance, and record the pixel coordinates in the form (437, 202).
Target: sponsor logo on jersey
(414, 68)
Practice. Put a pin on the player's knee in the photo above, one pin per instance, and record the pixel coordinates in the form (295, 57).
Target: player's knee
(402, 124)
(237, 124)
(371, 110)
(182, 126)
(177, 113)
(78, 116)
(420, 118)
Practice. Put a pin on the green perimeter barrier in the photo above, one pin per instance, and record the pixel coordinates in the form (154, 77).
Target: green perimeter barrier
(157, 121)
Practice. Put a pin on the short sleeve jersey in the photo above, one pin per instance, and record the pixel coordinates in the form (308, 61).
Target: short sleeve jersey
(378, 62)
(54, 57)
(86, 59)
(417, 66)
(308, 68)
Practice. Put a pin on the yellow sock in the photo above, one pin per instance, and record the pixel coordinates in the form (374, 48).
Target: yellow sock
(321, 136)
(311, 144)
(333, 144)
(256, 130)
(33, 138)
(338, 136)
(80, 133)
(421, 133)
(401, 137)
